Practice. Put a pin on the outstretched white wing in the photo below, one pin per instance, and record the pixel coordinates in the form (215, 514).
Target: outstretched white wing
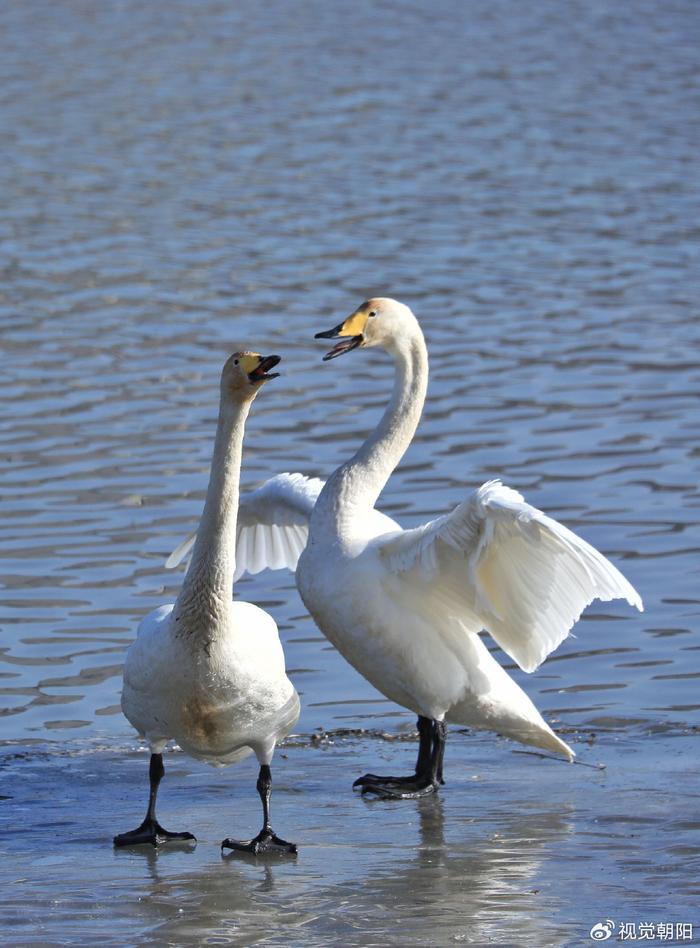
(180, 552)
(273, 525)
(524, 576)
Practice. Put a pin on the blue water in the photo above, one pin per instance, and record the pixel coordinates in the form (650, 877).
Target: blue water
(180, 179)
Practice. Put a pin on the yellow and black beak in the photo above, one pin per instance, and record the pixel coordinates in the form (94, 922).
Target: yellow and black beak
(258, 367)
(351, 332)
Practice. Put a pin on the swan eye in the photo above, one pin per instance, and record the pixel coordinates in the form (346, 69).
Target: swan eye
(372, 314)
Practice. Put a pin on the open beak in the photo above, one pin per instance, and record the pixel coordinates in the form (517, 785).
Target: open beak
(351, 333)
(345, 345)
(261, 372)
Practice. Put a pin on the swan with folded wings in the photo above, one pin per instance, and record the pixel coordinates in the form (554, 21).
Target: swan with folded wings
(209, 671)
(405, 607)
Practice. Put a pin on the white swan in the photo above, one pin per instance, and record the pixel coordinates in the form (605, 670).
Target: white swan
(405, 607)
(207, 671)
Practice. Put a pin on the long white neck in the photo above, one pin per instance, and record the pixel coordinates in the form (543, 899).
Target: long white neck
(355, 486)
(206, 594)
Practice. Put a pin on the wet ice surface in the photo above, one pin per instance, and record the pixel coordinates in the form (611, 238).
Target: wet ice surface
(181, 181)
(516, 850)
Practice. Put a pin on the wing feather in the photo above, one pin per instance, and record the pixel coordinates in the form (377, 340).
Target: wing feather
(180, 552)
(273, 525)
(524, 576)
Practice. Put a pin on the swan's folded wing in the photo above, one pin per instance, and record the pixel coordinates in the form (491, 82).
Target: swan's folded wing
(273, 525)
(524, 576)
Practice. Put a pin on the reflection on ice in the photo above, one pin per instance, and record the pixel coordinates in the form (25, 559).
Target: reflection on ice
(414, 879)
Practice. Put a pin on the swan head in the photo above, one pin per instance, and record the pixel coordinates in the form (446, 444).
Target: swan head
(378, 322)
(245, 373)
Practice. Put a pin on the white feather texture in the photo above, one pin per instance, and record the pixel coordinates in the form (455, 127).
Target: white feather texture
(526, 577)
(405, 607)
(221, 698)
(273, 525)
(207, 671)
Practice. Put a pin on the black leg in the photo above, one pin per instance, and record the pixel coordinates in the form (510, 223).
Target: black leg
(439, 740)
(266, 841)
(425, 746)
(150, 831)
(425, 751)
(428, 774)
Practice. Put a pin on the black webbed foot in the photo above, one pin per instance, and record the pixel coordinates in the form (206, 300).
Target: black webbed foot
(368, 779)
(150, 831)
(427, 778)
(410, 788)
(266, 842)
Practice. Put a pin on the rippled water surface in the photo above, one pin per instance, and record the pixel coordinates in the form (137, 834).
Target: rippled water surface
(183, 178)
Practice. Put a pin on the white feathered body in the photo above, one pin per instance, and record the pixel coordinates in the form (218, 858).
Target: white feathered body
(220, 696)
(406, 608)
(417, 648)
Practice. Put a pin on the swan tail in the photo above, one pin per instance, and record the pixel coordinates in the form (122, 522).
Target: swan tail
(550, 741)
(541, 736)
(537, 733)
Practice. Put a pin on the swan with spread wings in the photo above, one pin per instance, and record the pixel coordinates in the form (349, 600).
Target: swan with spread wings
(405, 607)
